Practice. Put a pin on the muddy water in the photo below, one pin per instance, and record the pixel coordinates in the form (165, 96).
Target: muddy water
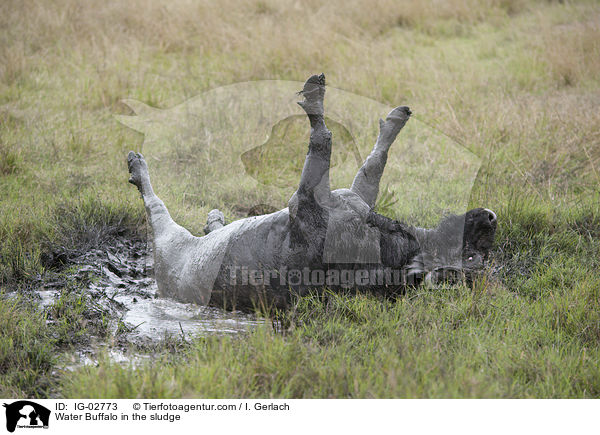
(117, 282)
(150, 317)
(153, 317)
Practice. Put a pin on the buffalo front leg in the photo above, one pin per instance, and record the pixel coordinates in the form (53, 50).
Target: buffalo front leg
(214, 221)
(314, 181)
(366, 182)
(309, 205)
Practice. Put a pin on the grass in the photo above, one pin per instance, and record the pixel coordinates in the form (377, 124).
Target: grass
(454, 343)
(514, 81)
(26, 351)
(32, 340)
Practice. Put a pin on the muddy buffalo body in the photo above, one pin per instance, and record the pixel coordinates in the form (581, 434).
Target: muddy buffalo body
(323, 238)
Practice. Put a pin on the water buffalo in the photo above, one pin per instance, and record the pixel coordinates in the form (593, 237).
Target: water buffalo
(322, 239)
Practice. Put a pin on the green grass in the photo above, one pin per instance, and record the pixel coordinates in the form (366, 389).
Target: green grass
(529, 331)
(451, 343)
(26, 350)
(32, 340)
(514, 81)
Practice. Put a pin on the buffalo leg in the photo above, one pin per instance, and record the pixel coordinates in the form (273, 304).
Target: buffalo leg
(158, 215)
(309, 206)
(314, 181)
(366, 182)
(214, 221)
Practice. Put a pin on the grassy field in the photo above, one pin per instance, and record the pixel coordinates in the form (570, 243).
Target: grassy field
(516, 81)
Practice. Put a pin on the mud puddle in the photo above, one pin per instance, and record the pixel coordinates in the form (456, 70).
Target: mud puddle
(118, 285)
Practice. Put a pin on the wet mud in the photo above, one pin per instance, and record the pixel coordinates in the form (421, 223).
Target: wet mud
(117, 284)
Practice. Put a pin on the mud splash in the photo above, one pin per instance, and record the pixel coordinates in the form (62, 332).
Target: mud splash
(118, 286)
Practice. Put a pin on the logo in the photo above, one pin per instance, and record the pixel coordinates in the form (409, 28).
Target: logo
(26, 414)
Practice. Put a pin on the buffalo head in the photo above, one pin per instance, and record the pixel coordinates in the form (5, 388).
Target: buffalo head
(457, 248)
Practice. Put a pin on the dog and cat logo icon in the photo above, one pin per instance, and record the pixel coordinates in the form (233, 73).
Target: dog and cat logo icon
(26, 414)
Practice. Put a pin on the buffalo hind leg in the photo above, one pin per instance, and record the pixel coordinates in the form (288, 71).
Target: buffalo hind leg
(158, 215)
(366, 182)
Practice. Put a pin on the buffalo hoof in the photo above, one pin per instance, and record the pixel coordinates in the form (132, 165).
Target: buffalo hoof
(313, 93)
(137, 169)
(394, 122)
